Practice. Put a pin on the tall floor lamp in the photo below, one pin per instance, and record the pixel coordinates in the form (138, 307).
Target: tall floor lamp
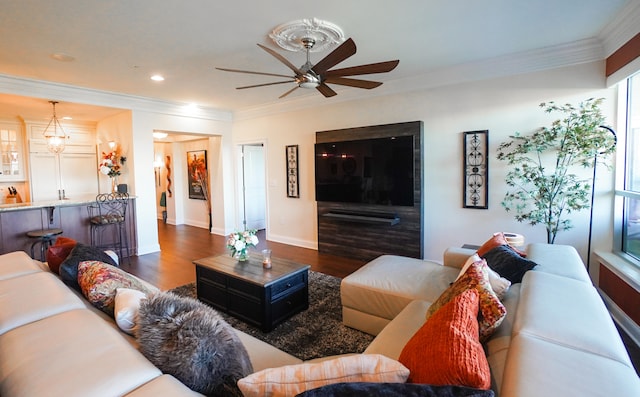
(593, 184)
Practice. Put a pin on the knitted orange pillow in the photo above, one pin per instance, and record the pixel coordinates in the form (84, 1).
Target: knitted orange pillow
(496, 240)
(446, 350)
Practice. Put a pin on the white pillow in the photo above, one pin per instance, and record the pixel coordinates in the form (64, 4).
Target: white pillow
(127, 304)
(499, 285)
(290, 380)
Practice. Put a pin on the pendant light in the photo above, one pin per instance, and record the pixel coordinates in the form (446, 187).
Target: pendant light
(54, 133)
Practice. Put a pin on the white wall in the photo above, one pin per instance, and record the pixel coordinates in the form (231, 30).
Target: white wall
(503, 106)
(118, 129)
(143, 181)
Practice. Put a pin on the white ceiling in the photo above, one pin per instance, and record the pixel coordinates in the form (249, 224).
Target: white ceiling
(118, 44)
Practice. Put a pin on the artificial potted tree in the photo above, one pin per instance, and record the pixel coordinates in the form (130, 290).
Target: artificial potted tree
(544, 188)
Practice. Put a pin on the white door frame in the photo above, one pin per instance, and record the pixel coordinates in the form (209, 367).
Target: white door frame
(239, 183)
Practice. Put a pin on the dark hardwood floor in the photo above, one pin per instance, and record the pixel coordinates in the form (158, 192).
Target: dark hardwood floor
(181, 245)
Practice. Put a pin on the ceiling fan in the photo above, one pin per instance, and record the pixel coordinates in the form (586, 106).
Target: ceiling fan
(317, 76)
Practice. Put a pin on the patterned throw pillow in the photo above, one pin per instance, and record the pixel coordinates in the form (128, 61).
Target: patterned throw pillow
(99, 282)
(446, 349)
(500, 285)
(290, 380)
(79, 253)
(492, 311)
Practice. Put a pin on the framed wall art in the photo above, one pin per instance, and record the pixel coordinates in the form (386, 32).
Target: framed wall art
(197, 173)
(476, 168)
(293, 190)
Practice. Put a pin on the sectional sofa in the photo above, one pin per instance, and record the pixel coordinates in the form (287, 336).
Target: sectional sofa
(557, 339)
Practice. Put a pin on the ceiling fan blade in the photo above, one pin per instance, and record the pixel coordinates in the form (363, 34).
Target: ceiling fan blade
(250, 72)
(282, 59)
(380, 67)
(353, 82)
(326, 90)
(264, 85)
(344, 51)
(288, 92)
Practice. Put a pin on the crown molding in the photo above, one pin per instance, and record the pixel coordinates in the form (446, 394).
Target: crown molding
(63, 92)
(621, 28)
(574, 53)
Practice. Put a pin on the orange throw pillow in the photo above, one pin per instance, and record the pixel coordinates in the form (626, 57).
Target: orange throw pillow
(446, 350)
(496, 240)
(58, 252)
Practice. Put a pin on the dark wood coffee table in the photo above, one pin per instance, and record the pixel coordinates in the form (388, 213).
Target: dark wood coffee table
(262, 297)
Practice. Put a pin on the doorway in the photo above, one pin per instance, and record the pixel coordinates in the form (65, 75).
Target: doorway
(252, 183)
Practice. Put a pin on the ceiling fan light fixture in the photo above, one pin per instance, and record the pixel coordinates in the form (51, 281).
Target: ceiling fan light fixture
(308, 81)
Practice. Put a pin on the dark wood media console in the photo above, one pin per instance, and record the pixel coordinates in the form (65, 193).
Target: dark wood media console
(366, 231)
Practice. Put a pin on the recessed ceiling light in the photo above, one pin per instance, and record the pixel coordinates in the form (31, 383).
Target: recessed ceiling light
(62, 57)
(157, 77)
(160, 135)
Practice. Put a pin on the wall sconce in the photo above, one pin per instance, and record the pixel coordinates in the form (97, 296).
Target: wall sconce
(112, 145)
(157, 164)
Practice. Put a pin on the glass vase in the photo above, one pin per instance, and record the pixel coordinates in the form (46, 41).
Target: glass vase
(241, 255)
(114, 185)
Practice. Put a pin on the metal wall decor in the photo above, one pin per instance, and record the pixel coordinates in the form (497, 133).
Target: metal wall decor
(476, 169)
(293, 190)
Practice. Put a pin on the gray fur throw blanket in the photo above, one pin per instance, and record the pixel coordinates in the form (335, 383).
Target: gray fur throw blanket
(190, 340)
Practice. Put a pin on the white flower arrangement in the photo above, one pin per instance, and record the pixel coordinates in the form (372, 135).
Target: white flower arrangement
(239, 242)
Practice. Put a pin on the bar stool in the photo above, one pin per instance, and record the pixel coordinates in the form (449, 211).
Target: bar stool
(43, 237)
(110, 212)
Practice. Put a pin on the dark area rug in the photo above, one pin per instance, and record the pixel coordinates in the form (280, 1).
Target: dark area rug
(315, 332)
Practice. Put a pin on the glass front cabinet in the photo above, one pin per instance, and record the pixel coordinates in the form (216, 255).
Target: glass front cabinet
(11, 151)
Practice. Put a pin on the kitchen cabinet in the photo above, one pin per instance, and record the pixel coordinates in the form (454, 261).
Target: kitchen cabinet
(75, 170)
(11, 151)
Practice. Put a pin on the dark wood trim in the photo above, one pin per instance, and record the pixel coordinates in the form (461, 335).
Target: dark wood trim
(624, 295)
(374, 230)
(623, 55)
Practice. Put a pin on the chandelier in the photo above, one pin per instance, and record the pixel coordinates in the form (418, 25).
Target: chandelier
(54, 133)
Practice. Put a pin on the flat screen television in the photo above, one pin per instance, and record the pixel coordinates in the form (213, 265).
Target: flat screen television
(376, 171)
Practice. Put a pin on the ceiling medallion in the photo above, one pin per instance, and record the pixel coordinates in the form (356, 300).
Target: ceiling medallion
(290, 35)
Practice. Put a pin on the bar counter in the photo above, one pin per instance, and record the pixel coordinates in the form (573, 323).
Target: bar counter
(71, 215)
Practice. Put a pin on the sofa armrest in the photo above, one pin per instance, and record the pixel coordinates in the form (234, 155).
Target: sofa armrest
(456, 256)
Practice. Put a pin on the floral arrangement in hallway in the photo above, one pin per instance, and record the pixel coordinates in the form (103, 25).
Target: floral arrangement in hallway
(239, 243)
(110, 163)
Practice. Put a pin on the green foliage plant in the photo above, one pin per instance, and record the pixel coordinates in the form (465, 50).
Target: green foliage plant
(543, 188)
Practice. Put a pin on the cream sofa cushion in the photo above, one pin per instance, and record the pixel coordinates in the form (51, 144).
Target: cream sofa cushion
(263, 355)
(561, 260)
(165, 385)
(541, 368)
(18, 263)
(547, 300)
(70, 354)
(32, 297)
(387, 284)
(392, 339)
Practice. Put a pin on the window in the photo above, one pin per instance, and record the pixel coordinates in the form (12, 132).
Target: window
(630, 193)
